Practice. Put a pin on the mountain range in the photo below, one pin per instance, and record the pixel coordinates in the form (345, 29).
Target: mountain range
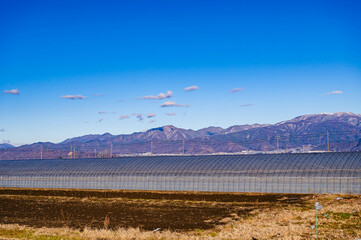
(6, 146)
(316, 132)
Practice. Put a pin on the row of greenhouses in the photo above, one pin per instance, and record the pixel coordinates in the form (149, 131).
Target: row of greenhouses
(336, 172)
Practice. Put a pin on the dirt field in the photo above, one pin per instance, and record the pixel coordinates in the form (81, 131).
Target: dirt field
(147, 210)
(191, 214)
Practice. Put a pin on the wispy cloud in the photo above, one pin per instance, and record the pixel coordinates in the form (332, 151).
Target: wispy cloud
(247, 105)
(171, 114)
(97, 95)
(73, 97)
(2, 130)
(191, 88)
(152, 121)
(170, 104)
(168, 94)
(12, 92)
(123, 117)
(236, 90)
(5, 141)
(139, 116)
(334, 92)
(104, 112)
(151, 115)
(100, 120)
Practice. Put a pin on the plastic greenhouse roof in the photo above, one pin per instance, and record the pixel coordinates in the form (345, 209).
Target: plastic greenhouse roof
(342, 164)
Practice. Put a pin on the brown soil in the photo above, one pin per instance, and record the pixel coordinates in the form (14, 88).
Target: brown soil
(148, 210)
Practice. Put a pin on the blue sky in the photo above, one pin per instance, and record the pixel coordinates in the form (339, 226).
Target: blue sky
(286, 58)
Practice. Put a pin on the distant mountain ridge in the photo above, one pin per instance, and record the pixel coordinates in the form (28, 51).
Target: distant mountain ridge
(303, 133)
(6, 146)
(168, 132)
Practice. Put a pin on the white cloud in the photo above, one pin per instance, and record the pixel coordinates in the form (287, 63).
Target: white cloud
(171, 114)
(97, 95)
(12, 91)
(2, 130)
(5, 141)
(152, 121)
(334, 92)
(170, 104)
(159, 96)
(150, 115)
(246, 105)
(72, 97)
(123, 117)
(191, 88)
(236, 90)
(101, 112)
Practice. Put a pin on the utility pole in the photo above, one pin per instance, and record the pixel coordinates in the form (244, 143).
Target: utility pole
(111, 150)
(328, 142)
(151, 147)
(71, 151)
(95, 153)
(41, 152)
(183, 146)
(74, 153)
(277, 142)
(286, 148)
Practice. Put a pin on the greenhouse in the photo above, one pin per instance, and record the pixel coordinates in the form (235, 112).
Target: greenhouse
(336, 172)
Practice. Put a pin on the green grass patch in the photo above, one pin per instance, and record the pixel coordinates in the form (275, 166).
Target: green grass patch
(213, 234)
(339, 215)
(30, 235)
(16, 233)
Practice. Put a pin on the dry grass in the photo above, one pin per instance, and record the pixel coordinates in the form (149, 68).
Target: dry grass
(339, 219)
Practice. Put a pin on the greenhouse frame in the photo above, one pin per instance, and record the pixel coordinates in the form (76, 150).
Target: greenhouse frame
(334, 172)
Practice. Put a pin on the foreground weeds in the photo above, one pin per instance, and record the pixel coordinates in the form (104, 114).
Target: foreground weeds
(340, 218)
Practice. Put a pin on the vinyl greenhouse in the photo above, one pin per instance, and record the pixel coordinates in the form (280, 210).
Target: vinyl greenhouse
(336, 172)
